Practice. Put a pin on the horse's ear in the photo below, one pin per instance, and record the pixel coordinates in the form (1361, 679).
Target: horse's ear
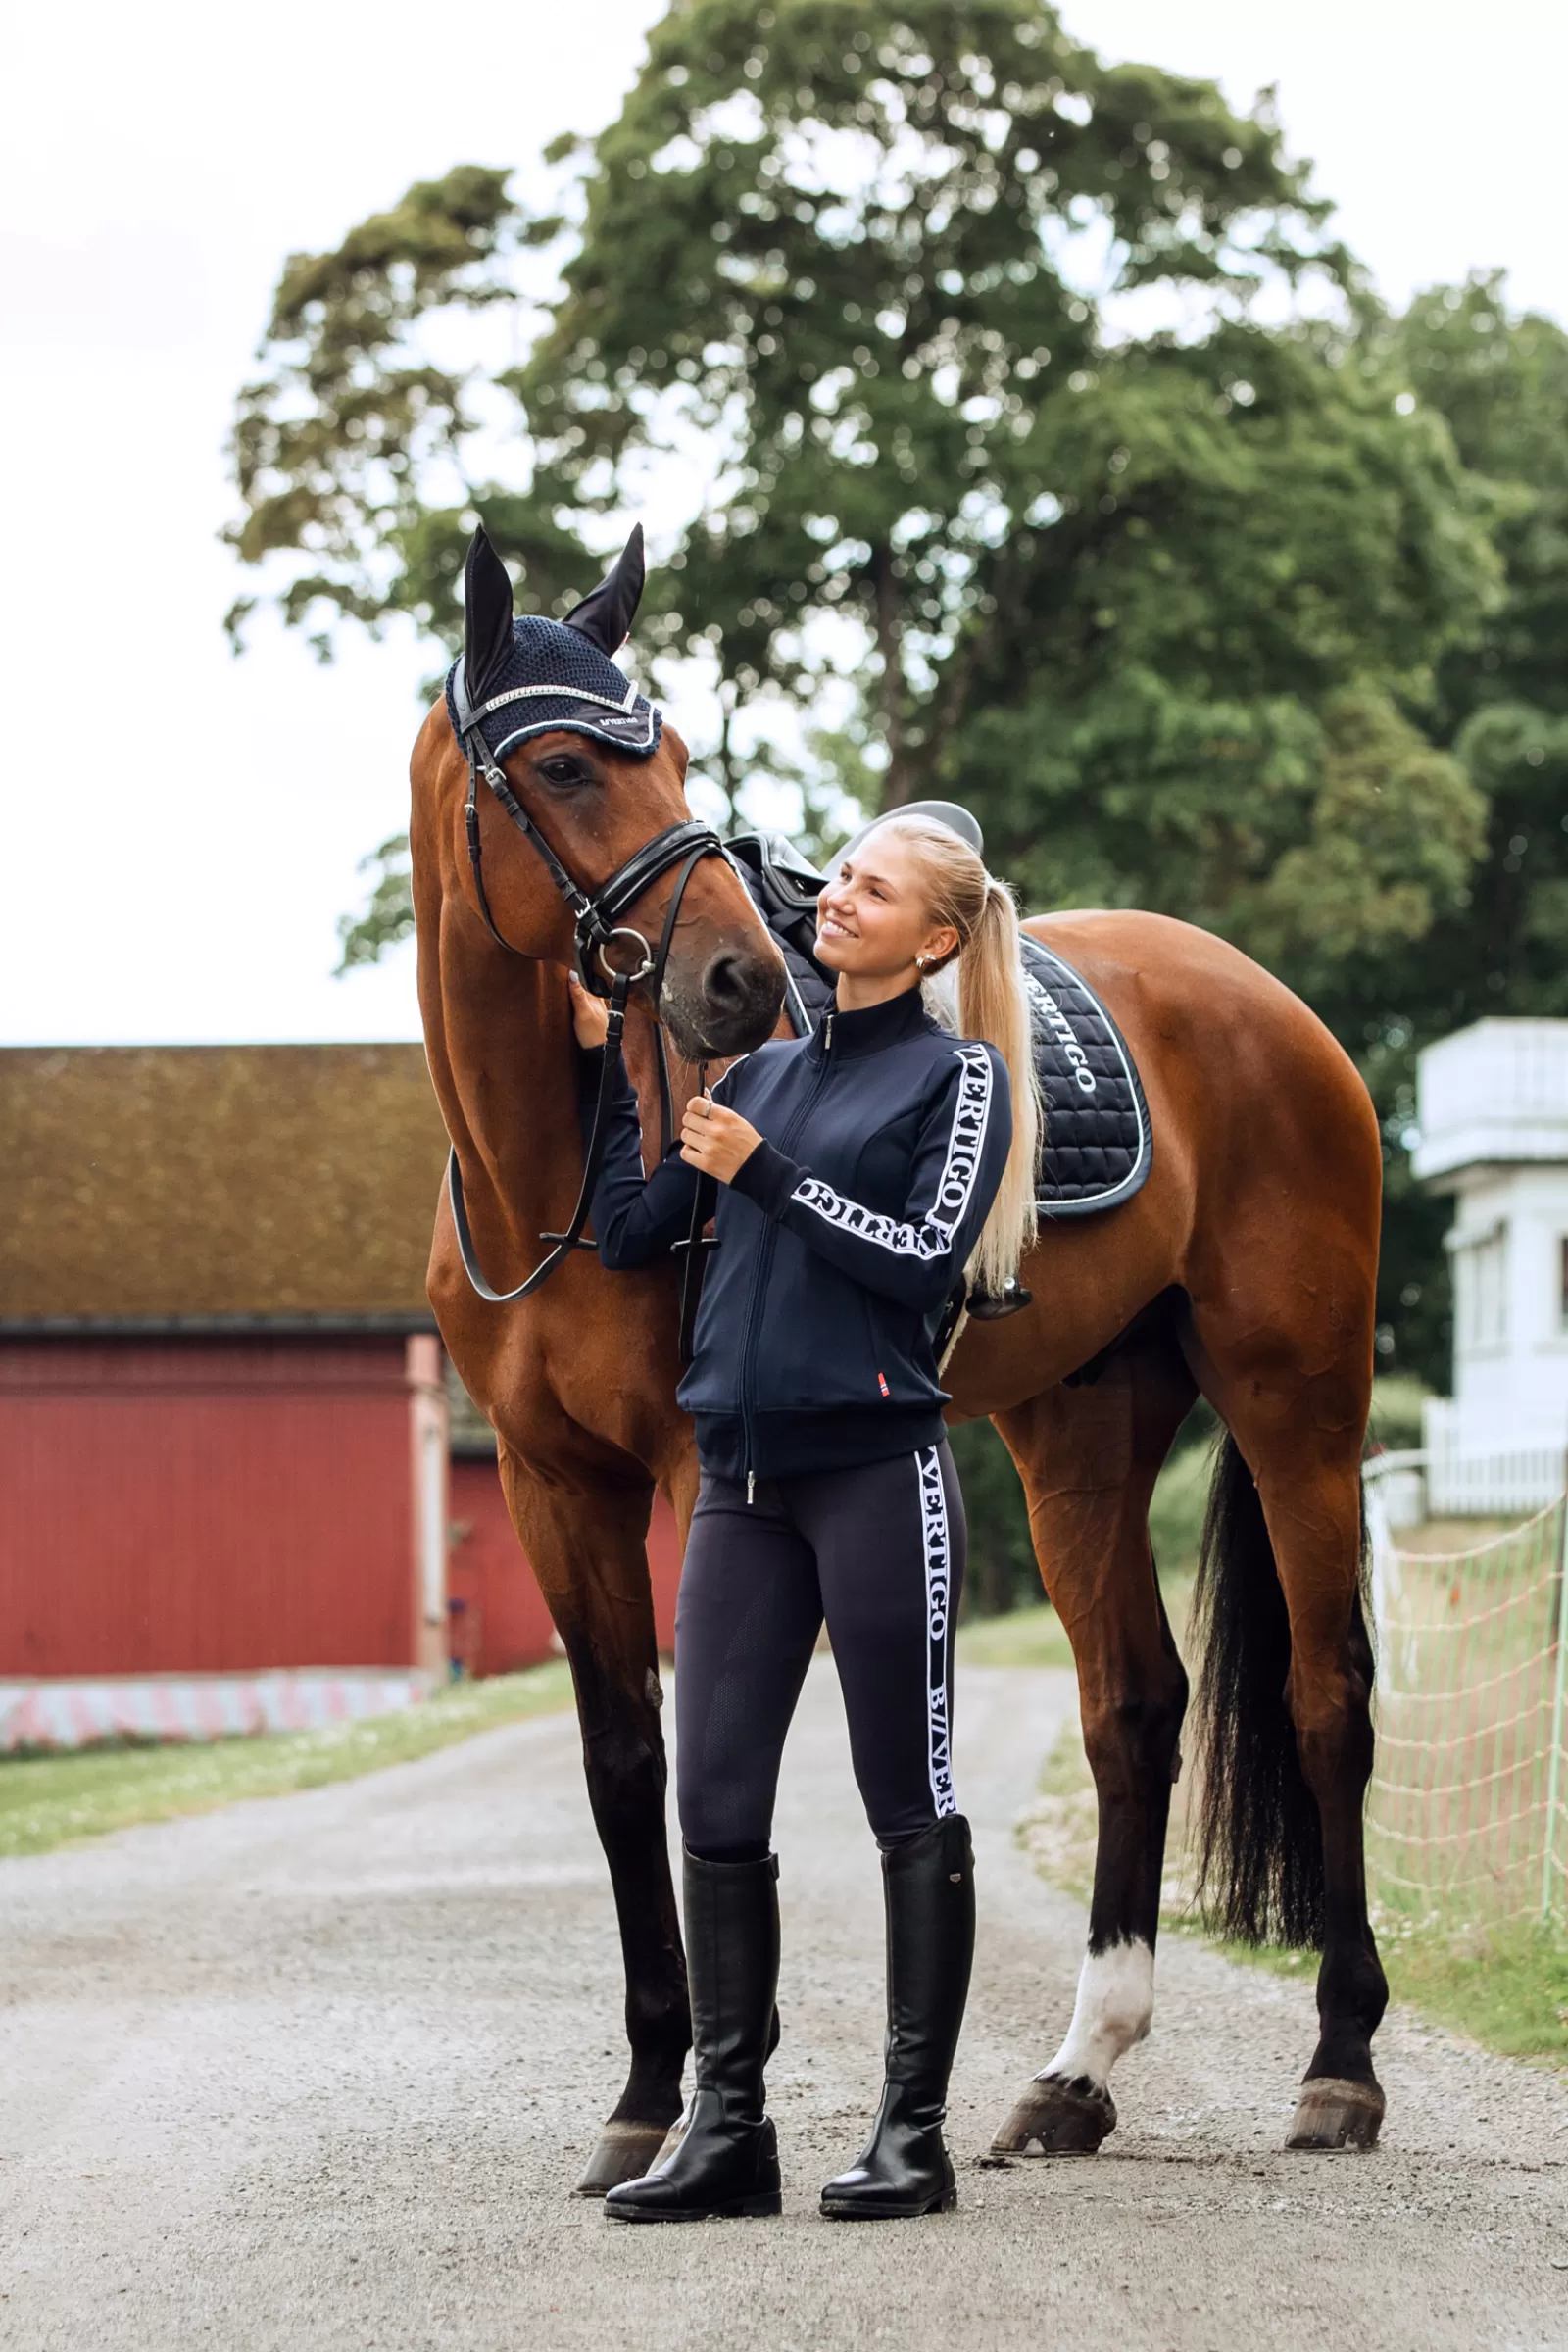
(606, 616)
(486, 618)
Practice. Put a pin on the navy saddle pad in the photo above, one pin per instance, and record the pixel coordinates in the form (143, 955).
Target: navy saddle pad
(1098, 1145)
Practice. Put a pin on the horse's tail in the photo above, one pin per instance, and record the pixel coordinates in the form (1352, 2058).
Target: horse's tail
(1261, 1840)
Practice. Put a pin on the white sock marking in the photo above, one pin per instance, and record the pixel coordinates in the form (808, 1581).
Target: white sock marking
(1113, 2009)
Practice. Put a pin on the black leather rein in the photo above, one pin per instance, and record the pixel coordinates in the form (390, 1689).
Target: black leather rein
(597, 915)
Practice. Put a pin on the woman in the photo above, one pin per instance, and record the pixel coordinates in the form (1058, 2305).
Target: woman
(860, 1172)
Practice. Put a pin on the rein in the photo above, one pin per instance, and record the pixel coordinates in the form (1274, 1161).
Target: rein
(596, 926)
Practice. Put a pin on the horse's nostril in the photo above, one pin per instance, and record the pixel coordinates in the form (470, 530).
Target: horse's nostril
(726, 982)
(740, 1000)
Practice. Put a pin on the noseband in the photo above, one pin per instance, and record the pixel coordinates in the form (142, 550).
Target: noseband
(598, 926)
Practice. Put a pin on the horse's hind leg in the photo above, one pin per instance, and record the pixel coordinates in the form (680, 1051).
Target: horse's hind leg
(1088, 1458)
(586, 1543)
(1341, 2101)
(1291, 1493)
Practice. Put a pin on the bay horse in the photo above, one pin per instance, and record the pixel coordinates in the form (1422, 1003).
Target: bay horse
(1243, 1270)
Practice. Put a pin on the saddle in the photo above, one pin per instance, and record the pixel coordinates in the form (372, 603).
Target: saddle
(784, 889)
(1097, 1147)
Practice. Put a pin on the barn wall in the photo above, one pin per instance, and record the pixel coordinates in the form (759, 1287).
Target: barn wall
(207, 1506)
(501, 1621)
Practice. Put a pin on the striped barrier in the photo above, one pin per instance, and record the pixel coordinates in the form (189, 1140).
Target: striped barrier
(217, 1707)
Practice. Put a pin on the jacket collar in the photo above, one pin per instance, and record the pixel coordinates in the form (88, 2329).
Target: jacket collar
(870, 1030)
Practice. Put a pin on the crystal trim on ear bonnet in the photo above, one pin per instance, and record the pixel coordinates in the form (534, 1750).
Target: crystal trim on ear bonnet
(530, 676)
(554, 678)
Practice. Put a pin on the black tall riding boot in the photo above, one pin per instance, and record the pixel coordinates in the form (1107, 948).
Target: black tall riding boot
(904, 2169)
(727, 2162)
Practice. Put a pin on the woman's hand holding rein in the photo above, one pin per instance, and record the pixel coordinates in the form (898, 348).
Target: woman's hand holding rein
(714, 1139)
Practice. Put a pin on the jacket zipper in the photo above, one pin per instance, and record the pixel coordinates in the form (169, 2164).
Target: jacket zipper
(764, 1261)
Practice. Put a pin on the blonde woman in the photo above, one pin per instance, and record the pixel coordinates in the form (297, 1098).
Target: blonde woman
(859, 1171)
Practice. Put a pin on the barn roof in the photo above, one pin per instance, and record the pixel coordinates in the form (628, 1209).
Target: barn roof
(215, 1186)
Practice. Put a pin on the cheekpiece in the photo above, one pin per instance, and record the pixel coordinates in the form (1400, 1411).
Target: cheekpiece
(555, 678)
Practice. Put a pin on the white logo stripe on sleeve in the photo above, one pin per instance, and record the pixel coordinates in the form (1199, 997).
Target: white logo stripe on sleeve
(933, 1236)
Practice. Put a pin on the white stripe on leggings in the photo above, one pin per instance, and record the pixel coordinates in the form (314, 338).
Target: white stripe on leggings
(936, 1544)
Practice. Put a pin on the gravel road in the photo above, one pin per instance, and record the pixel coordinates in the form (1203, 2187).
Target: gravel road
(319, 2072)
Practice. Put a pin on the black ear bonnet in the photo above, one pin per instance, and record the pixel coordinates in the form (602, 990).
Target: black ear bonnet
(531, 676)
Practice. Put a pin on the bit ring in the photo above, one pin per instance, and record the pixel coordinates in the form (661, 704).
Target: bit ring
(643, 969)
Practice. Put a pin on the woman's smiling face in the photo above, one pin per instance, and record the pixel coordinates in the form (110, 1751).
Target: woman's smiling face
(873, 920)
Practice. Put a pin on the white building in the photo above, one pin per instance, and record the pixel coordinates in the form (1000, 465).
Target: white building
(1492, 1114)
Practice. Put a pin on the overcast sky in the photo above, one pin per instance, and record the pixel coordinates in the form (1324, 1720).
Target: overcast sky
(179, 831)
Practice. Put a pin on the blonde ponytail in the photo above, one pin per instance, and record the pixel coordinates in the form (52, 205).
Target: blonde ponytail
(992, 1004)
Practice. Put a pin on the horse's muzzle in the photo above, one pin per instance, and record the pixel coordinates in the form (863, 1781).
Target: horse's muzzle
(733, 1007)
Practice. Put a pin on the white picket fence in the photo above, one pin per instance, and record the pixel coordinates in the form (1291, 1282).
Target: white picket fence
(1464, 1482)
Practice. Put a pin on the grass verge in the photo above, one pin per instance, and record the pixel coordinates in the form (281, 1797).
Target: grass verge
(1036, 1637)
(54, 1800)
(1032, 1636)
(1507, 1986)
(1504, 1986)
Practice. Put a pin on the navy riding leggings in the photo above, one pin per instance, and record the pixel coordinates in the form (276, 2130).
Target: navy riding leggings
(878, 1551)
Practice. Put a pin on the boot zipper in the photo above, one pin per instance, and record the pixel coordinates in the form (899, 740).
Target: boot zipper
(764, 1262)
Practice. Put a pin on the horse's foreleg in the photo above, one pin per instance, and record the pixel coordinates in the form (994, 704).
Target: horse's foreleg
(1088, 1459)
(586, 1543)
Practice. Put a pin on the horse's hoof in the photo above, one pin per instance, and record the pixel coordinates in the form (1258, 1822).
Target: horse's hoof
(1334, 2114)
(1058, 2118)
(623, 2152)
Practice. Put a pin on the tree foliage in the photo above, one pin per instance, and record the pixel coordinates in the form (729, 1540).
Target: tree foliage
(1501, 387)
(344, 449)
(867, 265)
(1036, 436)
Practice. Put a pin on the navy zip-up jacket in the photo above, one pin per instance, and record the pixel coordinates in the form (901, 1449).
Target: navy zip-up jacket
(884, 1142)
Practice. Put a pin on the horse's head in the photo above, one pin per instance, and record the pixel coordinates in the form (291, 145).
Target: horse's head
(588, 775)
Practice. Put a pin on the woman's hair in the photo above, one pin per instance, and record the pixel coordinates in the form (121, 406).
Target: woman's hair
(993, 1006)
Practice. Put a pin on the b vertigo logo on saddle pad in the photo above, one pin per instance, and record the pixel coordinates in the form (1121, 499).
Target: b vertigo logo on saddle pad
(1097, 1146)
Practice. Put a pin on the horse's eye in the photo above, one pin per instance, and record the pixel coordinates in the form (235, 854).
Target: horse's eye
(561, 769)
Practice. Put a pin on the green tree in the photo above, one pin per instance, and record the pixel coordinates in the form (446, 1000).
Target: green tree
(866, 270)
(854, 278)
(954, 334)
(353, 452)
(1501, 385)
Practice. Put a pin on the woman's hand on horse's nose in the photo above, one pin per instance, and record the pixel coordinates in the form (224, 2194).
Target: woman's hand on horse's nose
(590, 1017)
(716, 1140)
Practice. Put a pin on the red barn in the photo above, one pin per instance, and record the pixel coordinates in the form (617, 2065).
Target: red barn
(226, 1492)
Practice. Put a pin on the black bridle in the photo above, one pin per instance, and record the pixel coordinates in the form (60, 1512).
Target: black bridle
(598, 926)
